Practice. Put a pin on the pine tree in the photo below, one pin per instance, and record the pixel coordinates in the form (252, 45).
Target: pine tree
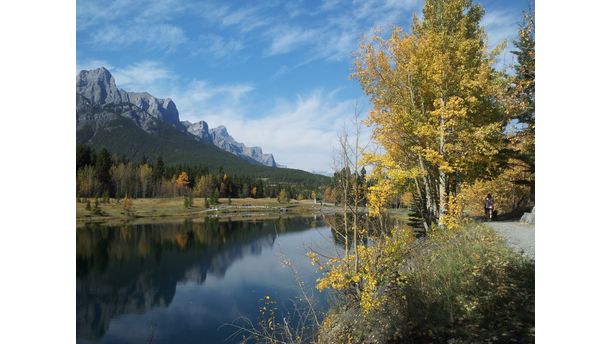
(103, 166)
(159, 169)
(523, 143)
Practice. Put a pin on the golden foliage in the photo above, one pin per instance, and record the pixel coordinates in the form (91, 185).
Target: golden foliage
(507, 194)
(182, 180)
(438, 103)
(378, 263)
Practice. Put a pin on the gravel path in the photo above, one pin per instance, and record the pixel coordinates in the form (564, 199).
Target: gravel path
(519, 236)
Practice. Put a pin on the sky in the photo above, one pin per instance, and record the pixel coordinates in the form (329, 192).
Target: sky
(275, 73)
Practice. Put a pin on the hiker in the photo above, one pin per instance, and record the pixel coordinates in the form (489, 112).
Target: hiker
(489, 205)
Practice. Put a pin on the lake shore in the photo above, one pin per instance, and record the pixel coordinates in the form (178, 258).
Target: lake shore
(156, 210)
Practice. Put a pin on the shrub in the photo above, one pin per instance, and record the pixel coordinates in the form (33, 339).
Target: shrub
(188, 201)
(283, 197)
(105, 198)
(127, 206)
(461, 285)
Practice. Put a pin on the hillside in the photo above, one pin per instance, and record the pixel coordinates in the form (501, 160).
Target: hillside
(122, 136)
(137, 124)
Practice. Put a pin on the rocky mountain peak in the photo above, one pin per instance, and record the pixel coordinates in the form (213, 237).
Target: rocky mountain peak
(98, 85)
(222, 139)
(199, 130)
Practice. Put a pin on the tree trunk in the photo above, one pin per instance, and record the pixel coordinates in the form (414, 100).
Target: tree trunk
(442, 179)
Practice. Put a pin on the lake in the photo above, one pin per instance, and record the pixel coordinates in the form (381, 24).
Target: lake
(184, 282)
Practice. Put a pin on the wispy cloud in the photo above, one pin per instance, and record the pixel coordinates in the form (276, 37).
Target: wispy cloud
(144, 24)
(93, 12)
(247, 19)
(290, 39)
(501, 26)
(150, 76)
(218, 46)
(336, 37)
(300, 132)
(162, 36)
(89, 64)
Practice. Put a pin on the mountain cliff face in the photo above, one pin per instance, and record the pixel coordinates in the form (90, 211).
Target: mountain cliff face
(99, 101)
(98, 86)
(199, 130)
(222, 139)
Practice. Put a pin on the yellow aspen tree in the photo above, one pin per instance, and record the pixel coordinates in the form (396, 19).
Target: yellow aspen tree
(437, 102)
(183, 180)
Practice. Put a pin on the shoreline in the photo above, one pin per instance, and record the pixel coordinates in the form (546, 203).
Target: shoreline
(159, 210)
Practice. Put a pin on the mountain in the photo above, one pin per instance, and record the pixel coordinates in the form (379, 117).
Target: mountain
(137, 124)
(225, 141)
(98, 86)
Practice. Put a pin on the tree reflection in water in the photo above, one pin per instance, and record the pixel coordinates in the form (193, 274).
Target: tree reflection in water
(134, 268)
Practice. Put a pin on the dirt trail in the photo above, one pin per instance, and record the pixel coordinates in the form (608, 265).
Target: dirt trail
(519, 236)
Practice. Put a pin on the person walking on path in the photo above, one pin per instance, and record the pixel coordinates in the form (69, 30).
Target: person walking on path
(489, 206)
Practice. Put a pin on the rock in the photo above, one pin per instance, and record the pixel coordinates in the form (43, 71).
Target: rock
(222, 139)
(98, 86)
(529, 217)
(162, 109)
(199, 130)
(99, 100)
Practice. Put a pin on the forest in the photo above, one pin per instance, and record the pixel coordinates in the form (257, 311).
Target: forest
(102, 174)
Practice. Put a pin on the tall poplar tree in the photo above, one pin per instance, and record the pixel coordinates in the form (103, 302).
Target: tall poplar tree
(437, 104)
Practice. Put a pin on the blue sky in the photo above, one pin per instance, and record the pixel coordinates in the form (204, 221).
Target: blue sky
(275, 73)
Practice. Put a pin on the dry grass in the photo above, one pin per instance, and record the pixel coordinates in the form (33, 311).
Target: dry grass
(156, 209)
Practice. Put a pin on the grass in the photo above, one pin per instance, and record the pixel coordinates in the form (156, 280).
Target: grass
(147, 210)
(462, 286)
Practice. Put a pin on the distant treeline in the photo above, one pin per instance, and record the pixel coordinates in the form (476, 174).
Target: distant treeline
(102, 174)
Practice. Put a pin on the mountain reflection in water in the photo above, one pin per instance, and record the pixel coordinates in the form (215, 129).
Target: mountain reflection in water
(168, 281)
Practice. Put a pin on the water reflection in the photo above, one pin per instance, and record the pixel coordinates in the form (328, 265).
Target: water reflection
(129, 275)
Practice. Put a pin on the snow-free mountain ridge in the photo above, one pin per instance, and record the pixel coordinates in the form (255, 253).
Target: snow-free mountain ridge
(97, 89)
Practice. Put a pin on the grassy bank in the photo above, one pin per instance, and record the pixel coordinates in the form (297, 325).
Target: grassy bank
(462, 286)
(160, 209)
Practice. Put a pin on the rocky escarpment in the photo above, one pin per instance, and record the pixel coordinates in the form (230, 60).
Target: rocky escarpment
(99, 101)
(222, 139)
(199, 130)
(98, 86)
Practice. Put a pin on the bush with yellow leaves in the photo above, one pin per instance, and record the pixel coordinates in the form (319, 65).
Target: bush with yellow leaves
(377, 264)
(508, 195)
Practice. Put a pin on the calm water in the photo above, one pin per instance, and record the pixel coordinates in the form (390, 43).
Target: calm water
(179, 283)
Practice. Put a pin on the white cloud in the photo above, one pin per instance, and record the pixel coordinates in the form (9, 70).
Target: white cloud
(198, 98)
(90, 64)
(150, 76)
(218, 46)
(337, 37)
(160, 36)
(246, 19)
(301, 133)
(291, 39)
(500, 26)
(93, 12)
